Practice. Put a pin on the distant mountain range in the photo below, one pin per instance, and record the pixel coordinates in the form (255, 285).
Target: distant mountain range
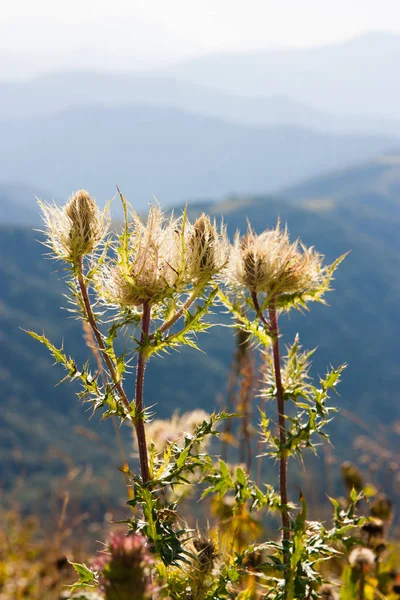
(175, 155)
(236, 123)
(354, 77)
(381, 176)
(347, 210)
(344, 86)
(59, 91)
(17, 203)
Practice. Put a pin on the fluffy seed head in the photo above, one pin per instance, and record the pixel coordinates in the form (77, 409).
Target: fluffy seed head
(207, 249)
(269, 263)
(75, 229)
(327, 592)
(362, 559)
(151, 266)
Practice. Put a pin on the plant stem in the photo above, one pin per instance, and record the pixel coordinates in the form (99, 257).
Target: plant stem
(361, 586)
(140, 430)
(273, 330)
(112, 370)
(273, 318)
(99, 337)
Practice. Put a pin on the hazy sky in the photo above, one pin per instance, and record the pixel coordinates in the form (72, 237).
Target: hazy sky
(43, 35)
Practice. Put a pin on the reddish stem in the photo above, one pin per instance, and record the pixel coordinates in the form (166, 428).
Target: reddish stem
(140, 430)
(139, 426)
(273, 330)
(99, 337)
(273, 317)
(361, 588)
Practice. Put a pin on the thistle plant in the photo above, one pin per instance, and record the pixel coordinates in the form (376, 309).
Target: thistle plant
(153, 285)
(267, 275)
(154, 272)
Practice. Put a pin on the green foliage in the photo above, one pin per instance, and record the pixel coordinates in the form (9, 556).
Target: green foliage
(87, 578)
(168, 471)
(236, 307)
(193, 324)
(310, 402)
(223, 481)
(97, 395)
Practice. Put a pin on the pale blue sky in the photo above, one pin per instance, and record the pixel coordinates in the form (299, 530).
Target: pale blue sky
(140, 34)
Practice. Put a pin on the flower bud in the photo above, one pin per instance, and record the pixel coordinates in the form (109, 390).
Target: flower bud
(82, 211)
(75, 229)
(327, 592)
(382, 508)
(253, 265)
(152, 268)
(269, 263)
(124, 568)
(207, 249)
(351, 476)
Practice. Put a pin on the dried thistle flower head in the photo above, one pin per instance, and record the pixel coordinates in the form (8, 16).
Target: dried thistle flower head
(327, 592)
(382, 507)
(362, 559)
(124, 568)
(373, 527)
(269, 263)
(206, 554)
(151, 264)
(207, 249)
(75, 229)
(351, 476)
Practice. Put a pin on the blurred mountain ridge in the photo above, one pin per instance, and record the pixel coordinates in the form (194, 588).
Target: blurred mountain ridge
(172, 154)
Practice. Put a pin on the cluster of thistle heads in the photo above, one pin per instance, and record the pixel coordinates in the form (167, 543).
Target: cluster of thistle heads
(162, 256)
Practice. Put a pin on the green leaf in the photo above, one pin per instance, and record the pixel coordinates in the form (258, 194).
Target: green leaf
(87, 578)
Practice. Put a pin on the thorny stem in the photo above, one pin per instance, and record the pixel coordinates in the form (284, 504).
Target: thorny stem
(110, 365)
(98, 336)
(273, 330)
(273, 318)
(140, 430)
